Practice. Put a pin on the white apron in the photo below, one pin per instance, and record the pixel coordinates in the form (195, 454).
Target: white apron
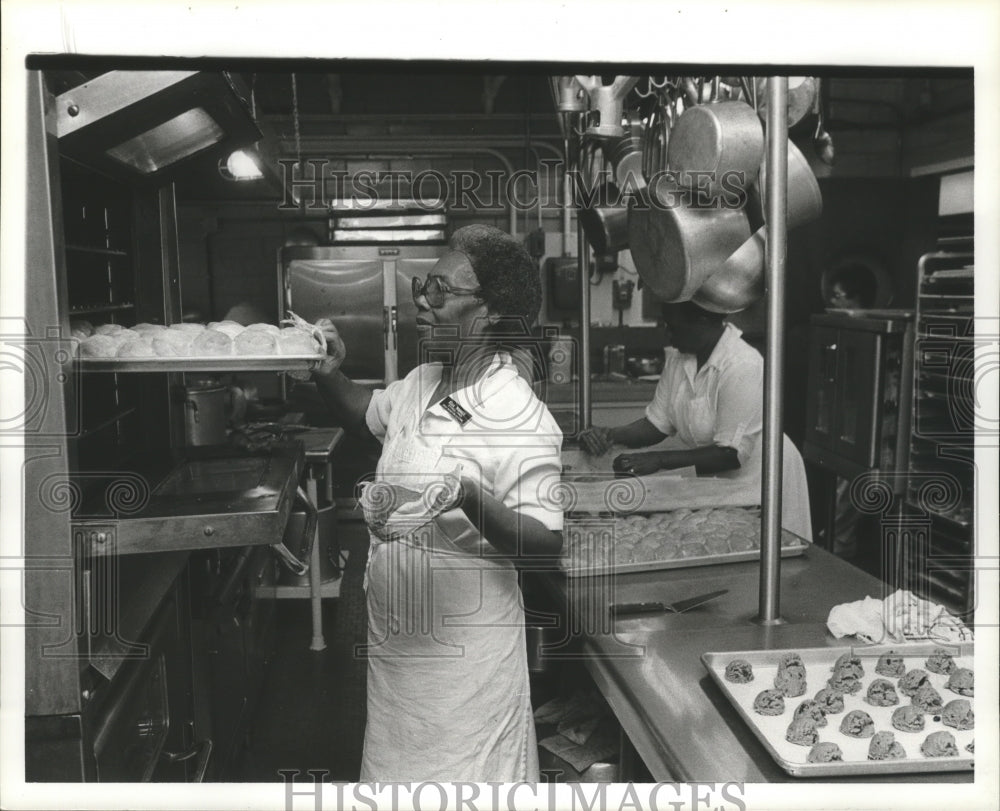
(448, 691)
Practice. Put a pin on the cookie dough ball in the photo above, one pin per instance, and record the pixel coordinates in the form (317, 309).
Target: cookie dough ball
(802, 731)
(231, 328)
(939, 744)
(255, 342)
(912, 681)
(790, 682)
(739, 671)
(884, 746)
(890, 664)
(811, 709)
(831, 701)
(769, 702)
(858, 724)
(172, 343)
(958, 714)
(788, 660)
(98, 346)
(295, 341)
(844, 682)
(882, 693)
(961, 681)
(927, 699)
(209, 343)
(825, 753)
(848, 663)
(108, 329)
(908, 719)
(136, 348)
(941, 662)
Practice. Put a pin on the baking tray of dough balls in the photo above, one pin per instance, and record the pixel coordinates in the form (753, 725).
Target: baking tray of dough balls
(217, 346)
(667, 540)
(866, 710)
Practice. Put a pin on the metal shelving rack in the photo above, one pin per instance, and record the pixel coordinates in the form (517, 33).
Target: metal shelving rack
(937, 561)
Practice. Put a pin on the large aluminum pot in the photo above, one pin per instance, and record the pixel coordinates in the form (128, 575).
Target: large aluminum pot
(205, 418)
(721, 141)
(739, 283)
(676, 246)
(805, 201)
(802, 94)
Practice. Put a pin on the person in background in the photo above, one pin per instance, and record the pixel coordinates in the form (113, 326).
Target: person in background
(448, 690)
(710, 396)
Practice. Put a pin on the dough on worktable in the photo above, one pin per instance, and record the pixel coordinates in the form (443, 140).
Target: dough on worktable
(858, 724)
(769, 702)
(825, 752)
(939, 744)
(912, 681)
(884, 746)
(908, 719)
(961, 681)
(927, 699)
(802, 731)
(940, 661)
(890, 664)
(882, 693)
(958, 714)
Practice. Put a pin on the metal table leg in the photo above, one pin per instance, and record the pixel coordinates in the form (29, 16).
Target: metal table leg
(315, 576)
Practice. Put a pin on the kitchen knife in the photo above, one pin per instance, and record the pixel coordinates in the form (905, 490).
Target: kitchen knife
(628, 609)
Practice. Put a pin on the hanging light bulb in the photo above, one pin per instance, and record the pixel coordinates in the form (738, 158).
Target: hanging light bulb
(241, 165)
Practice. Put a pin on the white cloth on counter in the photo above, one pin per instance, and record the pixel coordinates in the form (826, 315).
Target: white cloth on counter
(899, 617)
(448, 691)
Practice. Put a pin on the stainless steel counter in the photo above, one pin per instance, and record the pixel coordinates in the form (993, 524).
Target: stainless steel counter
(649, 667)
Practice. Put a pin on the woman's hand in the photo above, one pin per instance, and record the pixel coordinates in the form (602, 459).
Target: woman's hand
(336, 352)
(597, 440)
(638, 464)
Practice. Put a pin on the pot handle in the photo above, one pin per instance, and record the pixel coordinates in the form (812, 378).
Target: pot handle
(308, 537)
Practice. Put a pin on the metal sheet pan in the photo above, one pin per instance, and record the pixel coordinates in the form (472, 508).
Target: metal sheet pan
(221, 363)
(770, 730)
(680, 563)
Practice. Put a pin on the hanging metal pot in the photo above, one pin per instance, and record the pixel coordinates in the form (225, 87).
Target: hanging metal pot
(677, 246)
(717, 147)
(805, 201)
(605, 221)
(739, 283)
(802, 93)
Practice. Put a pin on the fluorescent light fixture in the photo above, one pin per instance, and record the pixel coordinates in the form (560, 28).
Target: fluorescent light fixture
(241, 165)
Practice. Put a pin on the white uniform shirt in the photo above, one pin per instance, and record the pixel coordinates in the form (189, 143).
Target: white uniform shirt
(510, 441)
(719, 404)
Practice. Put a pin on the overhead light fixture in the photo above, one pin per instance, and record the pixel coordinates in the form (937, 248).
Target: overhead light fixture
(242, 164)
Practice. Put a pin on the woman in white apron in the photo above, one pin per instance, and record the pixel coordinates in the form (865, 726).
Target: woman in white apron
(707, 412)
(461, 492)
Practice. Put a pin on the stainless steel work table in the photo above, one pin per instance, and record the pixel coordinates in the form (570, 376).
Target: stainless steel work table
(650, 671)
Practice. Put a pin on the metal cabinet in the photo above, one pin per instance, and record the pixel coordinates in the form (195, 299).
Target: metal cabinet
(857, 406)
(366, 291)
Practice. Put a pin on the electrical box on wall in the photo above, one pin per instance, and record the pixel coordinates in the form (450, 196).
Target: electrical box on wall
(562, 278)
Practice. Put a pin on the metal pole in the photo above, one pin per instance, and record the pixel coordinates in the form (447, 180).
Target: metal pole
(583, 264)
(777, 209)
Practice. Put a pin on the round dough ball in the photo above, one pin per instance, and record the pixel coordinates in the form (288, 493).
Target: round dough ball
(209, 343)
(80, 328)
(145, 328)
(255, 342)
(295, 341)
(265, 328)
(173, 343)
(98, 346)
(231, 328)
(136, 348)
(193, 328)
(108, 329)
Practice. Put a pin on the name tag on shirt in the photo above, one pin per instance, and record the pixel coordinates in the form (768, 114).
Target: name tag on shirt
(455, 411)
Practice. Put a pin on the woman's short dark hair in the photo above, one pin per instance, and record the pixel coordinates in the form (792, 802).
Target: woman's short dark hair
(508, 276)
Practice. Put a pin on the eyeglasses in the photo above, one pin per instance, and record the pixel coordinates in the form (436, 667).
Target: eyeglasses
(436, 290)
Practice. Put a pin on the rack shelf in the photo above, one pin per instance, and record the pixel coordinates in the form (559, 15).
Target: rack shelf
(101, 308)
(99, 251)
